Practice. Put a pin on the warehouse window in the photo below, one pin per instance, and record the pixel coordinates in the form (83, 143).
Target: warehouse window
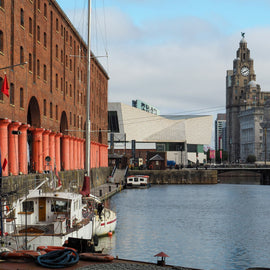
(56, 112)
(21, 55)
(44, 73)
(57, 25)
(22, 17)
(11, 94)
(113, 121)
(21, 97)
(38, 33)
(38, 68)
(51, 110)
(56, 51)
(45, 39)
(30, 62)
(1, 93)
(30, 26)
(45, 10)
(56, 81)
(1, 41)
(44, 107)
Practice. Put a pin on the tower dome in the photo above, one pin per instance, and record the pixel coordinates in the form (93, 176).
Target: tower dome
(243, 40)
(252, 84)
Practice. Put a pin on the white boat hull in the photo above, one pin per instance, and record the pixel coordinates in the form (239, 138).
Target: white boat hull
(106, 224)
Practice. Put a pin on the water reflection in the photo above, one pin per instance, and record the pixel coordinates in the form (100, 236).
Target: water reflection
(207, 227)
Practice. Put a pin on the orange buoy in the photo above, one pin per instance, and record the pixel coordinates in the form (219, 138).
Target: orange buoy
(96, 257)
(53, 248)
(21, 254)
(109, 233)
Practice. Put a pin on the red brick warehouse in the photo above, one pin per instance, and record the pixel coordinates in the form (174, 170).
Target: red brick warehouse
(47, 96)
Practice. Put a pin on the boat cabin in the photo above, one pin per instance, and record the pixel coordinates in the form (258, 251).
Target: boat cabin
(138, 181)
(60, 209)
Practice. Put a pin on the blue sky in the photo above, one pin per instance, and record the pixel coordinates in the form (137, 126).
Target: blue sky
(174, 54)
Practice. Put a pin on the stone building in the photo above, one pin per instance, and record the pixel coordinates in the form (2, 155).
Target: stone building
(44, 60)
(242, 93)
(251, 133)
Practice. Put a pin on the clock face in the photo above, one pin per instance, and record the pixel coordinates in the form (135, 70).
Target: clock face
(245, 71)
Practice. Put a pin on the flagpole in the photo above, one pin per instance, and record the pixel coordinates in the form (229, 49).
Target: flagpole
(14, 66)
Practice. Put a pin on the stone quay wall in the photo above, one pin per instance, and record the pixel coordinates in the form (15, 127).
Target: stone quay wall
(184, 176)
(18, 186)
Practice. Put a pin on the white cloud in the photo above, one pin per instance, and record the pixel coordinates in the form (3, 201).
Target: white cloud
(176, 64)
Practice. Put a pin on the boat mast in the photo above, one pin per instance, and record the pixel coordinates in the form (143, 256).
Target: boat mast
(88, 123)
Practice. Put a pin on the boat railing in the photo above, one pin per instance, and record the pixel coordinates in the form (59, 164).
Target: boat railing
(126, 171)
(113, 171)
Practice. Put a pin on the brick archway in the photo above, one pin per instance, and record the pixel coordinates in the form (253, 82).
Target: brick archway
(64, 123)
(33, 119)
(33, 113)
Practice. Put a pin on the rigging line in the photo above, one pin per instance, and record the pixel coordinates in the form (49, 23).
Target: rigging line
(150, 119)
(151, 116)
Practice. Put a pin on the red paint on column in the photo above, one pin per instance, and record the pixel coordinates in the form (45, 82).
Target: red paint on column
(65, 152)
(23, 155)
(71, 153)
(83, 153)
(58, 151)
(46, 149)
(13, 149)
(52, 149)
(4, 142)
(75, 151)
(37, 149)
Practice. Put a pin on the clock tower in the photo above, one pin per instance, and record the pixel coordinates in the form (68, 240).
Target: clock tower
(240, 88)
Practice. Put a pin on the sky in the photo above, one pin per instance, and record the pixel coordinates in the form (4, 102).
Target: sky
(174, 54)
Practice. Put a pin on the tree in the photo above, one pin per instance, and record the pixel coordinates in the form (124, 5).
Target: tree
(251, 159)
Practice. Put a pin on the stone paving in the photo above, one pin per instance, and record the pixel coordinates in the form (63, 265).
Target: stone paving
(130, 266)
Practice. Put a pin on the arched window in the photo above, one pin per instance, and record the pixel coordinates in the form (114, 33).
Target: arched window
(44, 73)
(45, 39)
(1, 41)
(30, 26)
(56, 81)
(21, 55)
(57, 25)
(30, 62)
(22, 17)
(38, 68)
(1, 93)
(44, 107)
(70, 65)
(38, 33)
(21, 97)
(70, 90)
(61, 84)
(56, 112)
(11, 94)
(2, 3)
(51, 110)
(45, 10)
(56, 51)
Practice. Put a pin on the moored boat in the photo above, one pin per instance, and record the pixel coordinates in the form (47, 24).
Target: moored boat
(138, 181)
(104, 219)
(47, 218)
